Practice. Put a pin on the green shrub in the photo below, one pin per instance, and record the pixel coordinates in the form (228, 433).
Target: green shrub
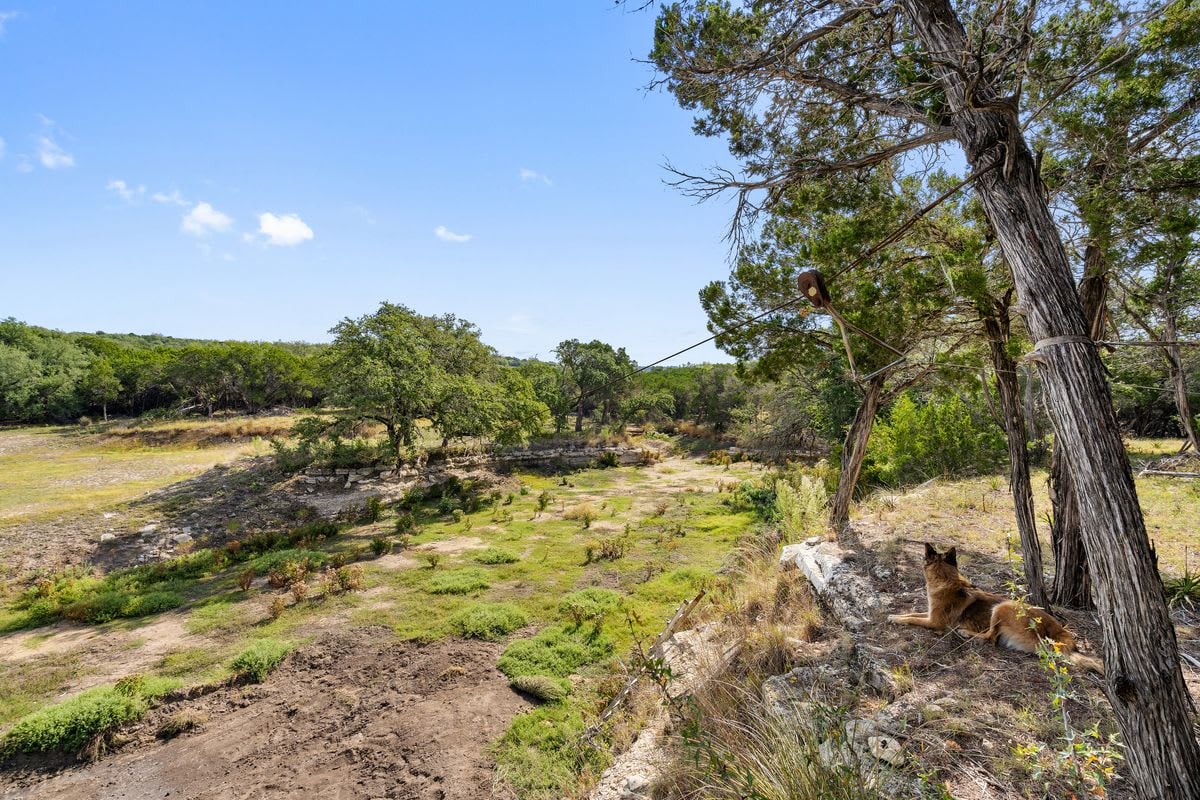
(488, 621)
(607, 459)
(592, 604)
(939, 437)
(260, 659)
(406, 523)
(496, 555)
(381, 545)
(310, 560)
(541, 687)
(556, 652)
(458, 581)
(70, 725)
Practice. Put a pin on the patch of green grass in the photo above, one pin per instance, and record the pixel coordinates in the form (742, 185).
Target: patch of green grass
(540, 686)
(458, 581)
(27, 683)
(540, 757)
(496, 555)
(69, 726)
(279, 559)
(194, 665)
(589, 605)
(220, 613)
(260, 659)
(555, 652)
(488, 621)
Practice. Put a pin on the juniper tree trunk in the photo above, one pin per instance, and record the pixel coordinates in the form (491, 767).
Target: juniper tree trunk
(997, 327)
(1183, 404)
(1071, 580)
(853, 453)
(579, 416)
(1143, 678)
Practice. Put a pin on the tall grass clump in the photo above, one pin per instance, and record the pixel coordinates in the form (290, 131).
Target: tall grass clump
(488, 621)
(458, 581)
(260, 659)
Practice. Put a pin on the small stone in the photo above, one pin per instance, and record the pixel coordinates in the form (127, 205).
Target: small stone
(148, 529)
(634, 786)
(887, 750)
(932, 711)
(107, 537)
(180, 538)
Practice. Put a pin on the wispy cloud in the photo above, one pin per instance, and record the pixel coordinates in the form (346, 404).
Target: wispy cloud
(51, 155)
(203, 219)
(447, 235)
(284, 230)
(3, 147)
(528, 175)
(5, 16)
(126, 192)
(172, 199)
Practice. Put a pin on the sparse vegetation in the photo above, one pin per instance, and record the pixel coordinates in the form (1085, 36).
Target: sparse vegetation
(260, 659)
(458, 581)
(497, 555)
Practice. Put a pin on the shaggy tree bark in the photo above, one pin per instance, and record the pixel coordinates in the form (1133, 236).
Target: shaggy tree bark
(1072, 583)
(853, 453)
(997, 326)
(1144, 681)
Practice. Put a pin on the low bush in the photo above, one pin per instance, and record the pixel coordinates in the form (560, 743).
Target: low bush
(488, 621)
(555, 652)
(584, 513)
(458, 581)
(70, 725)
(406, 523)
(289, 561)
(589, 605)
(260, 659)
(496, 555)
(381, 546)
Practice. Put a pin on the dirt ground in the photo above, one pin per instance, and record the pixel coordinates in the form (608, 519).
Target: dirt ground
(353, 714)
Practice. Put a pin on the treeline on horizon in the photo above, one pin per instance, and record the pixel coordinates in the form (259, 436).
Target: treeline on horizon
(48, 376)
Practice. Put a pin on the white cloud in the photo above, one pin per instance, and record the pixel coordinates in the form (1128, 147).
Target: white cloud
(284, 230)
(533, 175)
(447, 235)
(172, 199)
(126, 192)
(51, 155)
(203, 219)
(5, 16)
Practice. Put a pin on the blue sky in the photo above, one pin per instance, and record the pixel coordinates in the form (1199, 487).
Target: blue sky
(262, 170)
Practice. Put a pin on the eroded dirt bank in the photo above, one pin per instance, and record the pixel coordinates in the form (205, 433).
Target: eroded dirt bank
(353, 714)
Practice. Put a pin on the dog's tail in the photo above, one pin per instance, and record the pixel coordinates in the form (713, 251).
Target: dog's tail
(1090, 663)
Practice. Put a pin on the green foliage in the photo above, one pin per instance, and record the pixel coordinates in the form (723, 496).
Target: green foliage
(458, 581)
(496, 555)
(381, 545)
(555, 652)
(260, 659)
(309, 560)
(488, 621)
(1183, 590)
(405, 523)
(593, 373)
(800, 503)
(589, 605)
(940, 437)
(396, 366)
(70, 725)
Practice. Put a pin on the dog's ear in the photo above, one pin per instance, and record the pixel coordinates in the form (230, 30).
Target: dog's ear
(930, 553)
(952, 556)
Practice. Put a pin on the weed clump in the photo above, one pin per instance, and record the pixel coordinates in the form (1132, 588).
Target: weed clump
(488, 621)
(381, 546)
(260, 659)
(584, 513)
(555, 652)
(496, 555)
(70, 725)
(459, 581)
(589, 605)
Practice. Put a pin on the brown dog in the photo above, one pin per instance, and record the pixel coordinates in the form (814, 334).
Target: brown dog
(955, 603)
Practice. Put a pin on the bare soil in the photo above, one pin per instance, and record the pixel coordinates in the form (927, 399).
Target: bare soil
(354, 714)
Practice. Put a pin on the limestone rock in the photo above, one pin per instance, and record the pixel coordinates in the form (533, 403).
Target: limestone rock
(107, 537)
